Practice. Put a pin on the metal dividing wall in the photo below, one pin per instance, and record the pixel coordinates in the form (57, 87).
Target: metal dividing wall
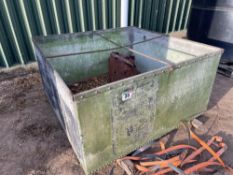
(22, 19)
(160, 15)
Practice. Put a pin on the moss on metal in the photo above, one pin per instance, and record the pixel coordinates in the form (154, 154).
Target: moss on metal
(100, 125)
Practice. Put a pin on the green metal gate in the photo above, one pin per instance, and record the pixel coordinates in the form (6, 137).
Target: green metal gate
(22, 19)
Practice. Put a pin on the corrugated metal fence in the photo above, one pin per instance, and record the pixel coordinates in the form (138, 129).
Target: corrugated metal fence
(160, 15)
(22, 19)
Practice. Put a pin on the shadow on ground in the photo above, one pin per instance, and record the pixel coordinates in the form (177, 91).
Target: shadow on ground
(221, 87)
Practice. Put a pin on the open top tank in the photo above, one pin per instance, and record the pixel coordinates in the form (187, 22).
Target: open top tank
(116, 90)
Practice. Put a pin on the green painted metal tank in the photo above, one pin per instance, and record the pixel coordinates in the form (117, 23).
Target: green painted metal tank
(109, 121)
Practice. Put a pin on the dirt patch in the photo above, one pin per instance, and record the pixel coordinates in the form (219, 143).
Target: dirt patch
(120, 67)
(15, 91)
(33, 143)
(90, 83)
(35, 130)
(30, 134)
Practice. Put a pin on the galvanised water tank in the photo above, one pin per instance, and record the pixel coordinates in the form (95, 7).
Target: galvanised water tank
(107, 122)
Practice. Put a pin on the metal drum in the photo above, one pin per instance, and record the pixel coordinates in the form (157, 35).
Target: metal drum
(211, 22)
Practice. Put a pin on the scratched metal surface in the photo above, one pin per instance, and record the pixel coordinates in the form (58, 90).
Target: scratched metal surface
(132, 120)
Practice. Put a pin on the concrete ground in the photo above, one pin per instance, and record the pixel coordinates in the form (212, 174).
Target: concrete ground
(33, 143)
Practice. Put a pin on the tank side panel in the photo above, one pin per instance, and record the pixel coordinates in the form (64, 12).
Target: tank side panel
(69, 114)
(132, 119)
(184, 93)
(83, 66)
(95, 122)
(62, 103)
(112, 127)
(49, 88)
